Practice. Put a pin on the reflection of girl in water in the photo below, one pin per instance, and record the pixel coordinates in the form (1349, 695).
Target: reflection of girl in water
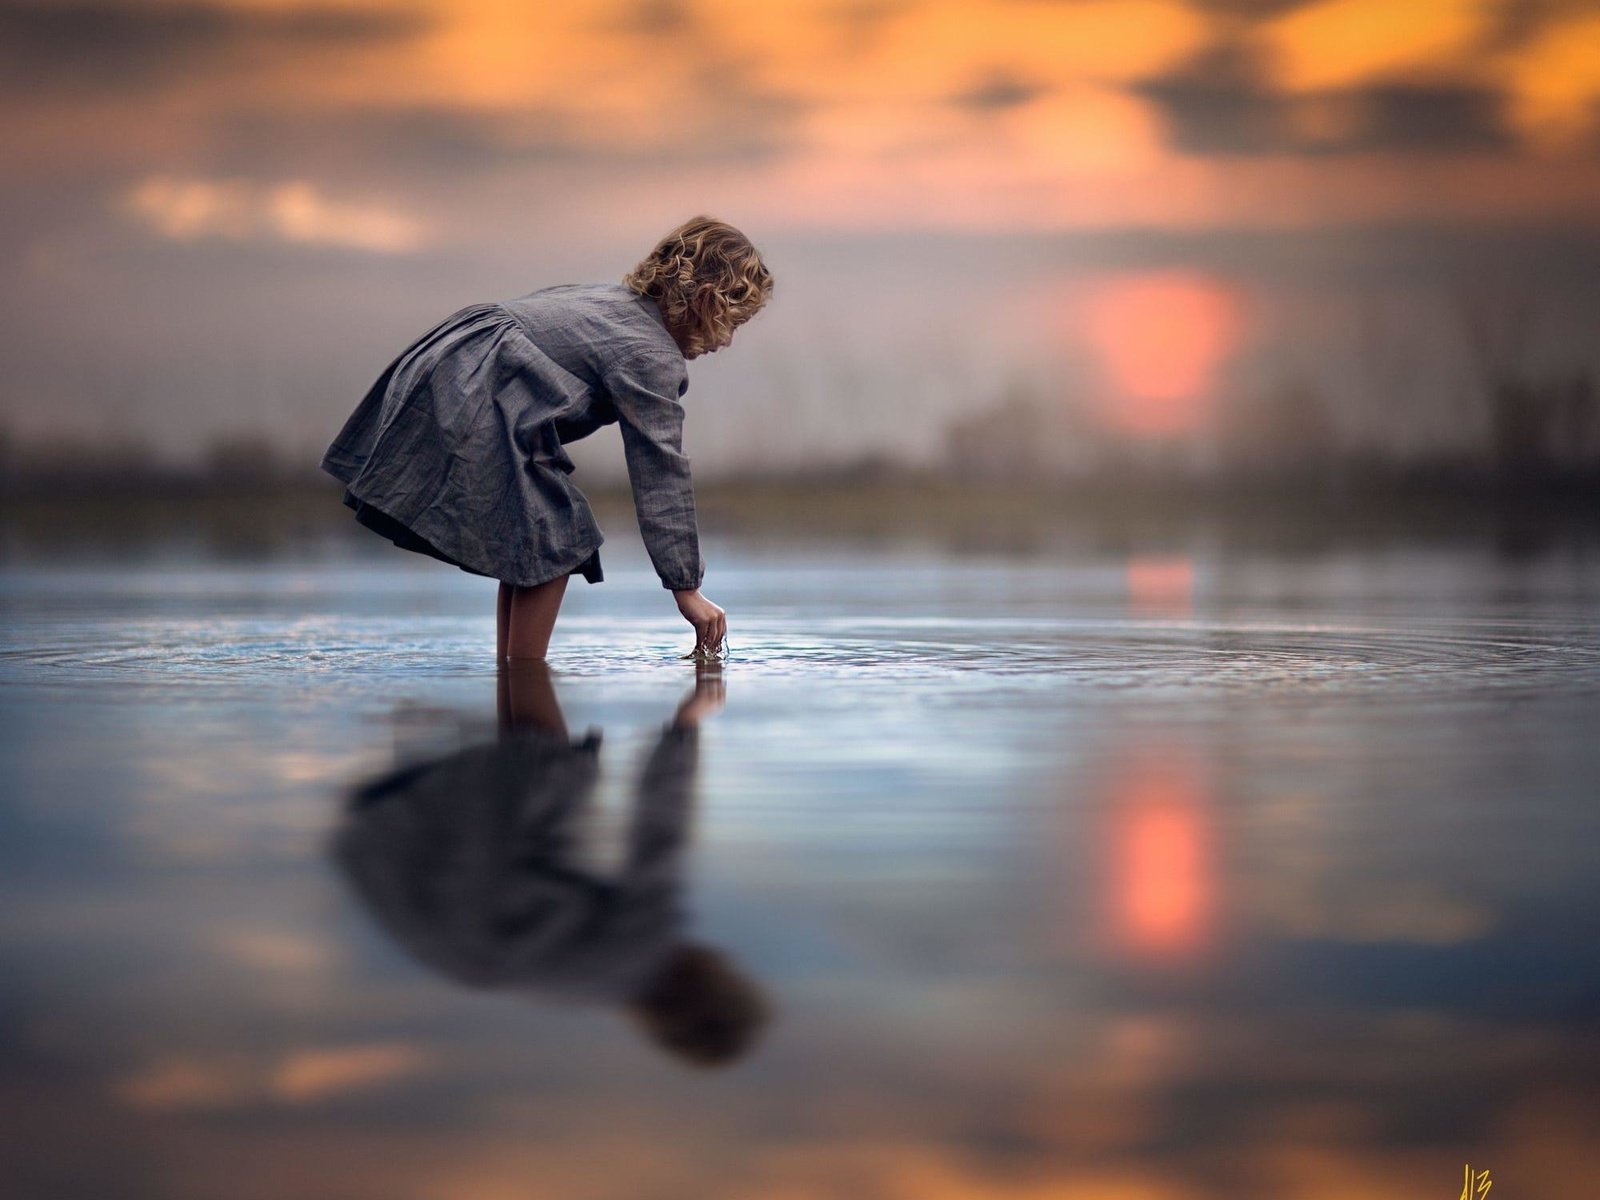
(472, 863)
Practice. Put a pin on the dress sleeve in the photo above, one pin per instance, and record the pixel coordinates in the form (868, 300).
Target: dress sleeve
(644, 386)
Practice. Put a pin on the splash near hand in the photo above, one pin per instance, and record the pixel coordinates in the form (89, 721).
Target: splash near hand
(710, 624)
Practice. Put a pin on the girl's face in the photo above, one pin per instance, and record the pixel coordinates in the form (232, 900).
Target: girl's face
(719, 343)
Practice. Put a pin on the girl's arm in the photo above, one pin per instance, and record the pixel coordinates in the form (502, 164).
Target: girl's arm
(644, 384)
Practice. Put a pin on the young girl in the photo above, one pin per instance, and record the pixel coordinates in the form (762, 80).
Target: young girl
(457, 451)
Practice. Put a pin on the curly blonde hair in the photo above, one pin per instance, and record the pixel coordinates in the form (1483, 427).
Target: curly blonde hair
(707, 279)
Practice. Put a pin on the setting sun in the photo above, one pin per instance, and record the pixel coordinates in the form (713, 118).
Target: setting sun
(1160, 338)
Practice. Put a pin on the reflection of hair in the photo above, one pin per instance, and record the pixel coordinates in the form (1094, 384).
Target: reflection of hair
(701, 1008)
(707, 279)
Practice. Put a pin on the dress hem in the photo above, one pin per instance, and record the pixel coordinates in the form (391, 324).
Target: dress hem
(406, 538)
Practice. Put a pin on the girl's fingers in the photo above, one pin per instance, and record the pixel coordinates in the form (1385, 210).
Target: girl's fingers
(711, 636)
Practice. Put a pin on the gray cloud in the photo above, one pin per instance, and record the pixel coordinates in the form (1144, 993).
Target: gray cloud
(865, 16)
(1220, 103)
(998, 90)
(89, 47)
(385, 143)
(401, 146)
(1435, 118)
(1254, 9)
(1517, 21)
(654, 18)
(1513, 20)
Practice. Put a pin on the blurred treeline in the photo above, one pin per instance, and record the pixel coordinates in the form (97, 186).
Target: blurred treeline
(1540, 436)
(1518, 424)
(1522, 428)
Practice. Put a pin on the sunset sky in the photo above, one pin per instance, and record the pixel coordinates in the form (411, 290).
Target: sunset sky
(224, 218)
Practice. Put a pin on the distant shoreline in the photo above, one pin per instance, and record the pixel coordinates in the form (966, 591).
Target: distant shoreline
(274, 516)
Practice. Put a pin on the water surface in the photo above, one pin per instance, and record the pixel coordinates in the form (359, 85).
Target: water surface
(1189, 874)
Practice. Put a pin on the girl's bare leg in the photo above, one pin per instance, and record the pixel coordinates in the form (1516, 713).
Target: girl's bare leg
(502, 620)
(533, 618)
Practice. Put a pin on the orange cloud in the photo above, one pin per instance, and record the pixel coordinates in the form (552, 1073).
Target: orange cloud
(934, 49)
(1554, 82)
(1086, 129)
(291, 211)
(1342, 43)
(869, 121)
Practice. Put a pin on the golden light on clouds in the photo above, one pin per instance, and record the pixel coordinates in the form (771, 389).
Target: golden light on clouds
(185, 209)
(994, 115)
(505, 54)
(1551, 83)
(1555, 83)
(1340, 43)
(865, 86)
(600, 72)
(934, 50)
(1086, 129)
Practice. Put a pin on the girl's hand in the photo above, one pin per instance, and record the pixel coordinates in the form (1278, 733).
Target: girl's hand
(710, 622)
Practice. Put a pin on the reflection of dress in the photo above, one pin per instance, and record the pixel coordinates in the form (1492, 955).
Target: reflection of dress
(470, 862)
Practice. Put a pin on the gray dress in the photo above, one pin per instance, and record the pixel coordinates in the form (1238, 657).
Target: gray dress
(457, 449)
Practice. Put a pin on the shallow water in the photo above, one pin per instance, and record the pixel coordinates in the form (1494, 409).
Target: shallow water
(1200, 875)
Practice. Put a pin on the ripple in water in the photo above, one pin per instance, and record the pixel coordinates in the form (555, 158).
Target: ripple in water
(1193, 655)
